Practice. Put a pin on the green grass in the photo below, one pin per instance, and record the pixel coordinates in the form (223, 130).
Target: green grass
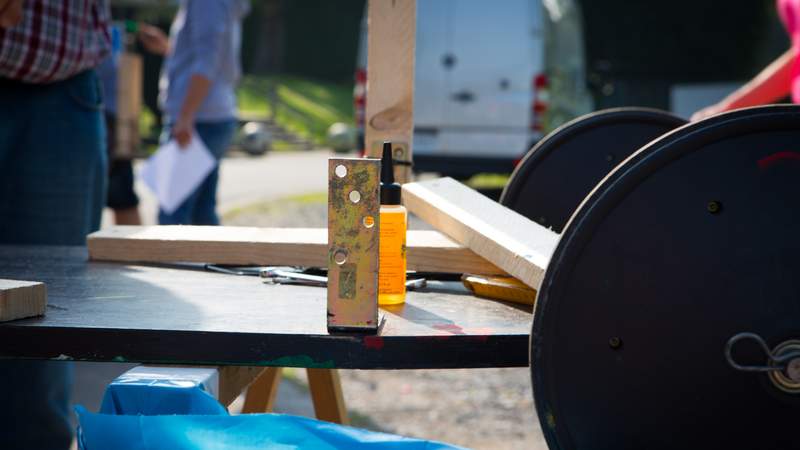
(305, 107)
(488, 181)
(278, 206)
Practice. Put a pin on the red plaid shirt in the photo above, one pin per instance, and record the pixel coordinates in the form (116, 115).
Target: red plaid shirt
(55, 40)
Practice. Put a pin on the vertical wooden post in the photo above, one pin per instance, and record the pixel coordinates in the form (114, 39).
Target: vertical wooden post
(390, 80)
(129, 104)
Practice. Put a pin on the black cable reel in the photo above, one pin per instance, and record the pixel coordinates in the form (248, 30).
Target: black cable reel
(669, 316)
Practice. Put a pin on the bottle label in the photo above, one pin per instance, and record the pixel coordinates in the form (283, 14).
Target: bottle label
(392, 272)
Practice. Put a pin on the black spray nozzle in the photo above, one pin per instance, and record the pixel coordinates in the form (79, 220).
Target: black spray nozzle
(390, 191)
(387, 165)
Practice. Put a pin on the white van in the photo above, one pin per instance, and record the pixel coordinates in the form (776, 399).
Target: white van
(491, 78)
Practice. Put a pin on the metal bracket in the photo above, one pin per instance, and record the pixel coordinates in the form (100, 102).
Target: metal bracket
(353, 232)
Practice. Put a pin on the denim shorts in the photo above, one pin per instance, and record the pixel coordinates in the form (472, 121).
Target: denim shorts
(52, 161)
(52, 189)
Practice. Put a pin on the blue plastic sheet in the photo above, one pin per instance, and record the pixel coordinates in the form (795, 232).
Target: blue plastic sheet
(158, 396)
(154, 411)
(243, 432)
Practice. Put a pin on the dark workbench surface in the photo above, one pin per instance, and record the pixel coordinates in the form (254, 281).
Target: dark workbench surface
(143, 313)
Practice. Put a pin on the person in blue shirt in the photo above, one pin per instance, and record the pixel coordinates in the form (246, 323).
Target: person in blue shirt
(197, 89)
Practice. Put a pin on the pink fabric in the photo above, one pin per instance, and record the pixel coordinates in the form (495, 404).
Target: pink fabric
(789, 10)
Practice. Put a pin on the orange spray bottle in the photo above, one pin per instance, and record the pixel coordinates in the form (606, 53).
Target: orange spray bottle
(392, 252)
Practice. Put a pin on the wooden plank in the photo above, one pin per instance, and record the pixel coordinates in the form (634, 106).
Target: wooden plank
(428, 251)
(260, 397)
(129, 104)
(233, 380)
(20, 299)
(326, 394)
(390, 79)
(511, 241)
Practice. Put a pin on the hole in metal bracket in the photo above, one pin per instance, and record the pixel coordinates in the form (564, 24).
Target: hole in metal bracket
(355, 196)
(340, 256)
(341, 171)
(369, 221)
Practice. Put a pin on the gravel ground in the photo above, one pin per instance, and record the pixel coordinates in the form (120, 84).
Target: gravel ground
(478, 408)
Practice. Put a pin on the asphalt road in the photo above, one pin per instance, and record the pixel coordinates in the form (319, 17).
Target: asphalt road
(246, 180)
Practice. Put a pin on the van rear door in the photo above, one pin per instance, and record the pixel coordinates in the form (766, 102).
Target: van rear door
(430, 77)
(495, 52)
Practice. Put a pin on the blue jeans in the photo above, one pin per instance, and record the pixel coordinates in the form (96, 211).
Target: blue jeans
(52, 190)
(200, 208)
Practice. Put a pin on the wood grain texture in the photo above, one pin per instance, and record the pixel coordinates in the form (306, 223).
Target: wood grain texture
(326, 394)
(233, 380)
(129, 104)
(428, 251)
(20, 299)
(170, 315)
(261, 394)
(511, 241)
(390, 79)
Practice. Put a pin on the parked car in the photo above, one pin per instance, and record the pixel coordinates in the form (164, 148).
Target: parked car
(490, 80)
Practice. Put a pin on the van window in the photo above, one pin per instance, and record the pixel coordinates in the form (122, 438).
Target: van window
(564, 63)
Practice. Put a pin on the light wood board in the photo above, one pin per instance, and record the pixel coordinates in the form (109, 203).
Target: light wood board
(428, 251)
(511, 241)
(326, 394)
(233, 380)
(390, 79)
(129, 104)
(20, 299)
(261, 393)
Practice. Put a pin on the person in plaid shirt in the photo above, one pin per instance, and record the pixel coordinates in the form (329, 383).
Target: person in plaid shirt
(52, 176)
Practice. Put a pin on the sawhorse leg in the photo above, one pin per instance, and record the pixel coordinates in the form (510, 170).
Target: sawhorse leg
(260, 397)
(325, 387)
(326, 393)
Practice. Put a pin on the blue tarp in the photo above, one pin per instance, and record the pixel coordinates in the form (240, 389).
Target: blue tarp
(155, 412)
(242, 432)
(158, 397)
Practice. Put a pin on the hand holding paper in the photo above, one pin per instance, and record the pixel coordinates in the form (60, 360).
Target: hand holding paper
(173, 173)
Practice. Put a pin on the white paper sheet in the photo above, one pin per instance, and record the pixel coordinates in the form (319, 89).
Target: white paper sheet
(173, 173)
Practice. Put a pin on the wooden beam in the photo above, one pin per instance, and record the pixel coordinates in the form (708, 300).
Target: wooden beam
(20, 299)
(260, 397)
(129, 104)
(326, 394)
(390, 79)
(428, 251)
(511, 241)
(233, 380)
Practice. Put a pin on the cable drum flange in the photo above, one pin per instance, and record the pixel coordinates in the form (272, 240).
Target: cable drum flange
(559, 171)
(645, 259)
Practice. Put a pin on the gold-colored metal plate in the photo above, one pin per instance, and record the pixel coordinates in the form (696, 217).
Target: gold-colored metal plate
(353, 232)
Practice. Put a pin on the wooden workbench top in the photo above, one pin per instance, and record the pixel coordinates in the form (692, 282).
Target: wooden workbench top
(145, 313)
